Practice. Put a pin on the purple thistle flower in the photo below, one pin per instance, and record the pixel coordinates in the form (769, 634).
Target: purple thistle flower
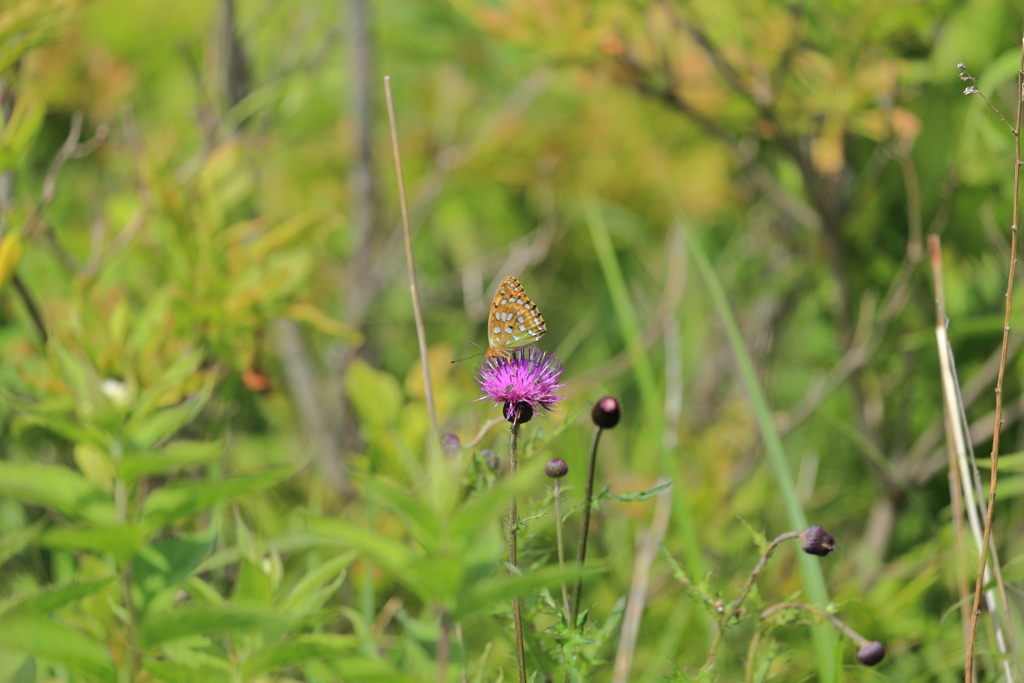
(524, 385)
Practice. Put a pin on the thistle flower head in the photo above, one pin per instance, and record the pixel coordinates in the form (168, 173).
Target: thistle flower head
(525, 384)
(817, 541)
(451, 444)
(871, 653)
(556, 469)
(606, 412)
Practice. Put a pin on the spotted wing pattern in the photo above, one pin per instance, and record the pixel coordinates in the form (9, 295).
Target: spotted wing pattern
(513, 322)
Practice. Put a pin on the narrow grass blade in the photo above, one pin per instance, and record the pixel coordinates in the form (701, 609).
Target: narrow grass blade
(813, 579)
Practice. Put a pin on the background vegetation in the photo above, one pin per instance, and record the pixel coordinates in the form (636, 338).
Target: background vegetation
(212, 419)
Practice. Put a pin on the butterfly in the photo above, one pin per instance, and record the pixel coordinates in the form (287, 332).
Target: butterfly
(514, 321)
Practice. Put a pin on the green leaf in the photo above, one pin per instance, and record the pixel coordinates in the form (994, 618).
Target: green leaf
(173, 502)
(437, 578)
(180, 370)
(166, 564)
(172, 672)
(45, 639)
(297, 650)
(15, 667)
(376, 395)
(149, 322)
(27, 117)
(175, 456)
(16, 540)
(119, 541)
(145, 430)
(207, 620)
(758, 537)
(477, 514)
(290, 543)
(56, 487)
(417, 518)
(70, 429)
(253, 586)
(368, 669)
(51, 598)
(82, 379)
(316, 586)
(202, 592)
(698, 592)
(638, 495)
(496, 589)
(392, 556)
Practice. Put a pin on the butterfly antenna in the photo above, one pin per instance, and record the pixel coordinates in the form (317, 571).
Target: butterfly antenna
(467, 357)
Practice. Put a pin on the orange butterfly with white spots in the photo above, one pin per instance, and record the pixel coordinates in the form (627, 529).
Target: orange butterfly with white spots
(514, 321)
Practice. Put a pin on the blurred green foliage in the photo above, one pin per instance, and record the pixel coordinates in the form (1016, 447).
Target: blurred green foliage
(215, 456)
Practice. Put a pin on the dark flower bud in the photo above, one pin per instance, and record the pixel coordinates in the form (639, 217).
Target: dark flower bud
(556, 469)
(606, 412)
(451, 444)
(871, 653)
(518, 413)
(817, 541)
(491, 459)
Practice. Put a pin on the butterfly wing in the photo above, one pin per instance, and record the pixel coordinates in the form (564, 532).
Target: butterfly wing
(514, 321)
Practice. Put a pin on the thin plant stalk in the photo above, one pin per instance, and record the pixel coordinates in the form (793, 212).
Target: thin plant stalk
(998, 423)
(731, 608)
(31, 307)
(513, 558)
(817, 611)
(421, 333)
(755, 641)
(561, 549)
(581, 554)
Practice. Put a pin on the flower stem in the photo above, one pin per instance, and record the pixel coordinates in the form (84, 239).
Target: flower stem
(737, 602)
(513, 525)
(817, 611)
(581, 555)
(561, 550)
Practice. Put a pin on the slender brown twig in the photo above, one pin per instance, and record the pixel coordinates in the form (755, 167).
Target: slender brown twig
(970, 479)
(30, 305)
(421, 333)
(987, 534)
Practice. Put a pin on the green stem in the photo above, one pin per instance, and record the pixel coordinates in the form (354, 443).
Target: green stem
(561, 550)
(581, 555)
